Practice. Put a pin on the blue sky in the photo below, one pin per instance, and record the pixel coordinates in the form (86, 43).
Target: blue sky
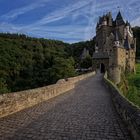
(66, 20)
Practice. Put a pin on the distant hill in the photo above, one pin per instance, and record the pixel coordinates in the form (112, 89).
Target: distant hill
(27, 62)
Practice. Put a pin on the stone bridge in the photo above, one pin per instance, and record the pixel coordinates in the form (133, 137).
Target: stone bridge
(83, 113)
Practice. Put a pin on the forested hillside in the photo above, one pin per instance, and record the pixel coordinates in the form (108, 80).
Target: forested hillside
(29, 62)
(76, 49)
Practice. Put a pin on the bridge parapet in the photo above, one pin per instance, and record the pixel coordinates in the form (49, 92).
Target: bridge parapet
(13, 102)
(129, 113)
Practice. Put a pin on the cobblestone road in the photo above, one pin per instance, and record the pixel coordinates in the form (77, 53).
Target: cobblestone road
(85, 113)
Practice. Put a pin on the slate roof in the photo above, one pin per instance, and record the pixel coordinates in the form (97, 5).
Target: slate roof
(127, 24)
(117, 35)
(100, 55)
(126, 44)
(119, 19)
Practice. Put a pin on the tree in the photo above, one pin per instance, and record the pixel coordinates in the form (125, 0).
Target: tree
(87, 62)
(27, 62)
(3, 86)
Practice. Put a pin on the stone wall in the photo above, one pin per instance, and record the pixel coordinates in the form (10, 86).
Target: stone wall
(13, 102)
(127, 110)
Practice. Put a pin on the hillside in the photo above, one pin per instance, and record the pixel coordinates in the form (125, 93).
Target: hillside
(27, 62)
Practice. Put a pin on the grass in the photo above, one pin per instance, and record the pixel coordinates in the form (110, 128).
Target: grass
(133, 80)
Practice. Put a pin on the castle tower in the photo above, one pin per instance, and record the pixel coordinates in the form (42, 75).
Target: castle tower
(115, 68)
(130, 55)
(104, 28)
(116, 46)
(110, 21)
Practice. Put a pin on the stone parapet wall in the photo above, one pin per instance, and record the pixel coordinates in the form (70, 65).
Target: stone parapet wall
(127, 110)
(13, 102)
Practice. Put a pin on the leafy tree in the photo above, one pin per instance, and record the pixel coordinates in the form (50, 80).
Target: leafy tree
(87, 62)
(3, 86)
(75, 50)
(27, 62)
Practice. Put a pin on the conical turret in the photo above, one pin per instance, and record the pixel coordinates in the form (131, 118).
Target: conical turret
(126, 44)
(119, 19)
(110, 21)
(104, 20)
(116, 40)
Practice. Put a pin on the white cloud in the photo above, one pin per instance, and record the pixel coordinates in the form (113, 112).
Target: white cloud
(22, 10)
(61, 13)
(85, 10)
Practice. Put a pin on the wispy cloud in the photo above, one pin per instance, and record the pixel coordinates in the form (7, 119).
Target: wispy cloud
(86, 8)
(61, 13)
(22, 10)
(69, 20)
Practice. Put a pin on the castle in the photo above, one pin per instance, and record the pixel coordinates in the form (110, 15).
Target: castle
(115, 47)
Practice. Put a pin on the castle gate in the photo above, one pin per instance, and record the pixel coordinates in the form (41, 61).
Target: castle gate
(102, 68)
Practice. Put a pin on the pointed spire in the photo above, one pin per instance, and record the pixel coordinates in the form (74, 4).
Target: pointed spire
(104, 18)
(119, 15)
(110, 14)
(97, 25)
(127, 23)
(119, 19)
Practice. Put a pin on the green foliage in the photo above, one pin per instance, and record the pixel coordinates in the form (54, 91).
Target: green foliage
(131, 88)
(62, 68)
(76, 49)
(27, 62)
(87, 62)
(3, 86)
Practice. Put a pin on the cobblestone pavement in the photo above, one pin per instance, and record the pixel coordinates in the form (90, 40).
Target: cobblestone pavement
(85, 113)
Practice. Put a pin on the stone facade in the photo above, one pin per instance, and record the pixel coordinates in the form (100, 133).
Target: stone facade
(115, 46)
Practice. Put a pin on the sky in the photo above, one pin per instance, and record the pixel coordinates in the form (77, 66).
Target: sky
(66, 20)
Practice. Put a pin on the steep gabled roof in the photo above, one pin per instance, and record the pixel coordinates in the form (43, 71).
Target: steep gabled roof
(126, 44)
(119, 19)
(127, 24)
(117, 35)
